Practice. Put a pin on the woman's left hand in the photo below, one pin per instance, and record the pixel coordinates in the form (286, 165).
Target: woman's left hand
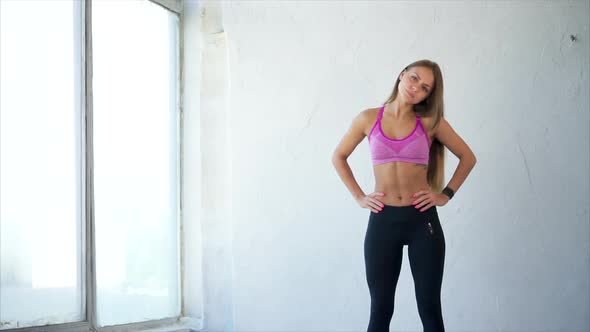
(426, 199)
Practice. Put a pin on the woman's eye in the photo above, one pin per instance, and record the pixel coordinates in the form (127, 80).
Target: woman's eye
(413, 78)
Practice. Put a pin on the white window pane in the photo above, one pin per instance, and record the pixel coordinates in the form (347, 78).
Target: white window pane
(41, 279)
(135, 144)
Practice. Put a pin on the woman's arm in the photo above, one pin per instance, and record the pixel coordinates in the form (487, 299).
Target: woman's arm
(449, 138)
(352, 138)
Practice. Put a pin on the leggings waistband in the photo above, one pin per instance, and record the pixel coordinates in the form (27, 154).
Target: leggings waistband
(406, 211)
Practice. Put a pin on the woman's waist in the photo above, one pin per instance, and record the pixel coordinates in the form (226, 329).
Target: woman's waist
(397, 194)
(399, 181)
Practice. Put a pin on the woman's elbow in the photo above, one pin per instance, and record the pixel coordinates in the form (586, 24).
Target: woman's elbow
(469, 158)
(472, 159)
(338, 158)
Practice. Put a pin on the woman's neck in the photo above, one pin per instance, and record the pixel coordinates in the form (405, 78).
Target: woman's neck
(400, 110)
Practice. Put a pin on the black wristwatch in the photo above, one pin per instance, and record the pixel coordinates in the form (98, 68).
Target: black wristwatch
(449, 192)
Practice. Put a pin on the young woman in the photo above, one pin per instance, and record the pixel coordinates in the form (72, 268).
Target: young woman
(407, 136)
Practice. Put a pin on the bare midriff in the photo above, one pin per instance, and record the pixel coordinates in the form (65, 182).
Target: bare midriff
(399, 181)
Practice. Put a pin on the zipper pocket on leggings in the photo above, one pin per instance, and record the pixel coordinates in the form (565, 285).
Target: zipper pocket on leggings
(430, 228)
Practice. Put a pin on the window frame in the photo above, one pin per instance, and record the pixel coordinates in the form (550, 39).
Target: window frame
(85, 105)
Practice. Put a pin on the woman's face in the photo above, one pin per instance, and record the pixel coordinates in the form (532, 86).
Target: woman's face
(416, 84)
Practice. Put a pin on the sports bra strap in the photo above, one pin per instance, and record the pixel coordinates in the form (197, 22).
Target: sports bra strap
(380, 114)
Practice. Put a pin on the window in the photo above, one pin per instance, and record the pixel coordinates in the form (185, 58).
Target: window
(41, 277)
(135, 166)
(89, 163)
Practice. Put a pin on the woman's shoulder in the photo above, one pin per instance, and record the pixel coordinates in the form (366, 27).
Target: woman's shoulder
(367, 118)
(428, 123)
(369, 115)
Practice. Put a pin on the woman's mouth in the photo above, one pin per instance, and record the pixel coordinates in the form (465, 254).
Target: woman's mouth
(409, 94)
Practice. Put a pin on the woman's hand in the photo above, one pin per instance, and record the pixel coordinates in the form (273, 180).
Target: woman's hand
(426, 199)
(371, 202)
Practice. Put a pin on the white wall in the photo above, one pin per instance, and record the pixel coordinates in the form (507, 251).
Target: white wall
(517, 232)
(207, 209)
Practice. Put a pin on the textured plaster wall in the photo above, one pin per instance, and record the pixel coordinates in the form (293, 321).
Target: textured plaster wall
(284, 229)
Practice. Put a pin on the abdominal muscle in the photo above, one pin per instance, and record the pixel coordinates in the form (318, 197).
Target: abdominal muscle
(399, 181)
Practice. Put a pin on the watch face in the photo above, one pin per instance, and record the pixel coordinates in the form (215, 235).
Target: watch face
(448, 192)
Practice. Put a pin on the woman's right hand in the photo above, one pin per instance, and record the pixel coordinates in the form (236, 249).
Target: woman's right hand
(371, 202)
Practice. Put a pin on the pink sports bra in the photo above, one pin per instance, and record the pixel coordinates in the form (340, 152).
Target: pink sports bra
(414, 148)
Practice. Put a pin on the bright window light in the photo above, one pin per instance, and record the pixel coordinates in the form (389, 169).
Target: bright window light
(135, 75)
(41, 272)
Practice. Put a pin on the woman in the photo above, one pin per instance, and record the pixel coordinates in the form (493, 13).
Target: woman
(406, 137)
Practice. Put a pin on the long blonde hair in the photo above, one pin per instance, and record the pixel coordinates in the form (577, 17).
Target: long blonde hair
(432, 106)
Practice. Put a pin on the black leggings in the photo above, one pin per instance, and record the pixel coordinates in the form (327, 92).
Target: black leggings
(387, 232)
